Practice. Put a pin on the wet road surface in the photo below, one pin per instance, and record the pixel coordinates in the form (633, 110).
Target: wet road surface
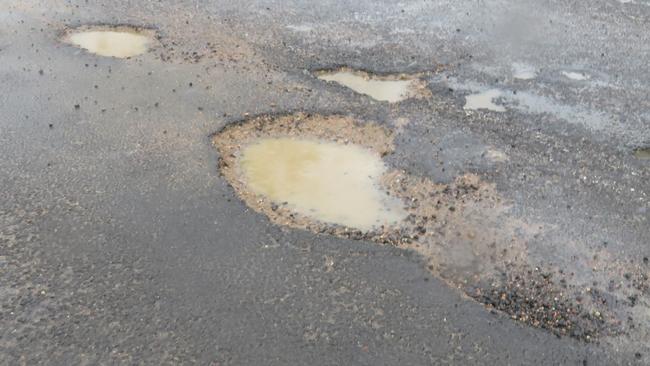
(123, 240)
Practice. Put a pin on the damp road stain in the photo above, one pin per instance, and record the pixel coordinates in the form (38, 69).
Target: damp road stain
(528, 102)
(484, 100)
(329, 182)
(120, 42)
(391, 88)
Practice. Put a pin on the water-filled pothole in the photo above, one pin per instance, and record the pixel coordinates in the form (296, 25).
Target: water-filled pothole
(484, 100)
(326, 181)
(642, 153)
(463, 229)
(389, 88)
(120, 41)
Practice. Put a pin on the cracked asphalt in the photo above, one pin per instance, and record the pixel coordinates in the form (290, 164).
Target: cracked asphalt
(121, 243)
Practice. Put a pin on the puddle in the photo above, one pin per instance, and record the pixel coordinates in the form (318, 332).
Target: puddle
(300, 27)
(523, 71)
(392, 89)
(575, 75)
(642, 153)
(325, 174)
(120, 42)
(311, 172)
(484, 100)
(495, 155)
(330, 182)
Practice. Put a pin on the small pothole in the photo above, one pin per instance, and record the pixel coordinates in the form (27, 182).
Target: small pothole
(389, 88)
(111, 41)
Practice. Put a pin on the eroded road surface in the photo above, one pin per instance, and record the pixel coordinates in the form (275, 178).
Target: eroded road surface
(326, 183)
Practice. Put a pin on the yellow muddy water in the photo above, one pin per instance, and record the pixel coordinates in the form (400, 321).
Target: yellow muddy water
(377, 88)
(111, 43)
(326, 181)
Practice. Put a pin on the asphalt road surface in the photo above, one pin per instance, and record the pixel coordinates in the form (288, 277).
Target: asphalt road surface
(121, 242)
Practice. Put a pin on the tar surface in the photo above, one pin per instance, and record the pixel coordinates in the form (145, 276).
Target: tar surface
(130, 235)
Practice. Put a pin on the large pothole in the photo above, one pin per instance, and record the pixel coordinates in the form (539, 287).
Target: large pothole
(324, 174)
(111, 41)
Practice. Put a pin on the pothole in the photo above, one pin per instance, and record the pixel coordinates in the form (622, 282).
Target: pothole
(304, 171)
(642, 153)
(388, 88)
(118, 41)
(330, 182)
(484, 100)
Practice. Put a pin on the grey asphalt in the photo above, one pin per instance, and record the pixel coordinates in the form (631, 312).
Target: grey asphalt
(121, 244)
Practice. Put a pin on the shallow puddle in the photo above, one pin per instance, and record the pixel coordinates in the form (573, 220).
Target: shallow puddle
(642, 153)
(383, 88)
(330, 182)
(575, 75)
(496, 155)
(484, 100)
(119, 42)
